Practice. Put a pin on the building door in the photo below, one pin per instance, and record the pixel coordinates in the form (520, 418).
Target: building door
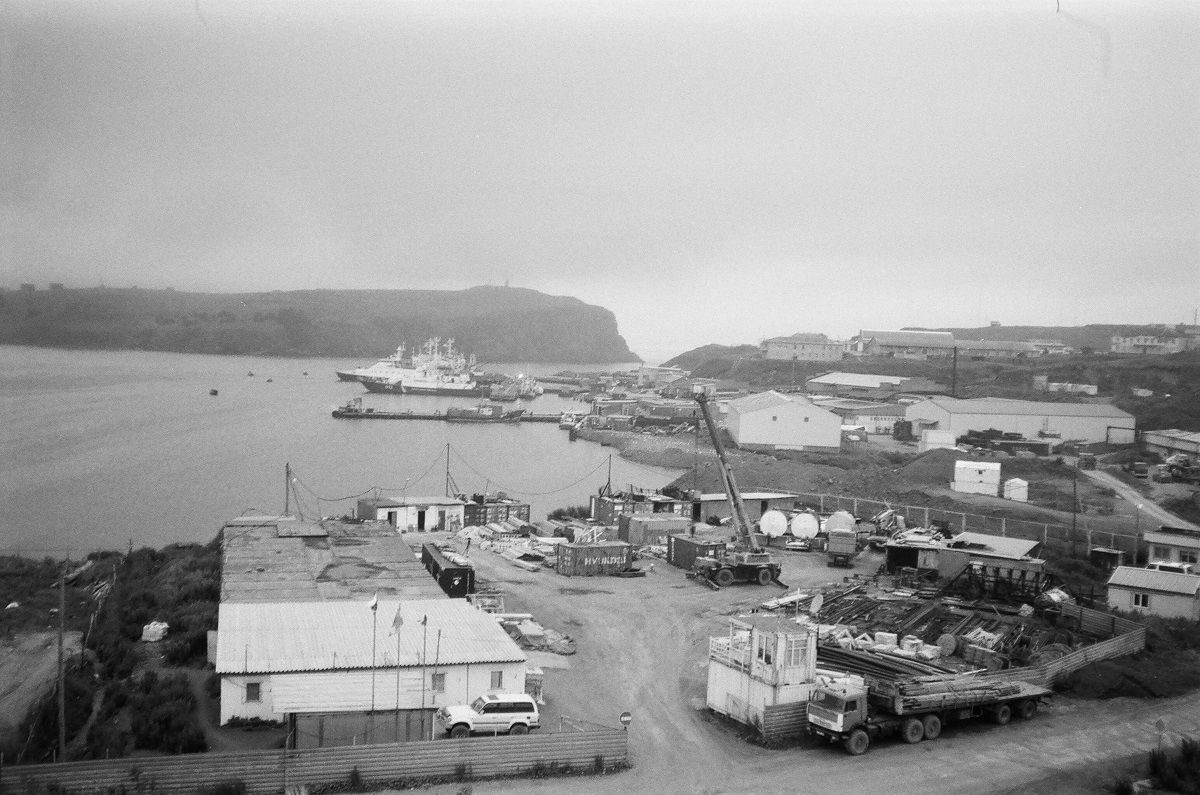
(696, 511)
(421, 520)
(441, 520)
(392, 518)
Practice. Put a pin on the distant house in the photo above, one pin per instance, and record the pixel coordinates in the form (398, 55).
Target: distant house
(483, 509)
(341, 673)
(996, 349)
(774, 421)
(414, 514)
(1169, 442)
(875, 417)
(1152, 343)
(1174, 545)
(802, 348)
(1161, 593)
(1089, 422)
(716, 505)
(902, 344)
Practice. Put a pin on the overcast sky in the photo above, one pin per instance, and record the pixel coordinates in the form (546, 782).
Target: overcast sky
(710, 172)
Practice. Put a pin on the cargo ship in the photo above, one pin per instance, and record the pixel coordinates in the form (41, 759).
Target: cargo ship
(434, 371)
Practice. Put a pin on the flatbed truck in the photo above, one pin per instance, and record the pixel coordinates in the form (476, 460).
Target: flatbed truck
(915, 709)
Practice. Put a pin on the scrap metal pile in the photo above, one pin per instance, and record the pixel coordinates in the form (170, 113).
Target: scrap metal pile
(890, 632)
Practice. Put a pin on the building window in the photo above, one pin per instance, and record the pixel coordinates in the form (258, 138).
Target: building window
(764, 651)
(806, 419)
(1188, 556)
(774, 418)
(1141, 600)
(497, 680)
(1162, 553)
(253, 691)
(794, 656)
(438, 684)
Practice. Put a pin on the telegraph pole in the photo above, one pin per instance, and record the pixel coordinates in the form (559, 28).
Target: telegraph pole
(62, 679)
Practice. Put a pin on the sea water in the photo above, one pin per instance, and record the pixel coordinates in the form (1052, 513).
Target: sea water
(102, 449)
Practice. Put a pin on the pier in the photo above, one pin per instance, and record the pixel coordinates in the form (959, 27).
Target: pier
(371, 414)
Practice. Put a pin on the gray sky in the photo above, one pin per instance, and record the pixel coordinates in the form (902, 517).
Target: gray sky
(710, 172)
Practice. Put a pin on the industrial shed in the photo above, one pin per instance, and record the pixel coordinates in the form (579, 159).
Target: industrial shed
(336, 668)
(774, 421)
(414, 514)
(1090, 422)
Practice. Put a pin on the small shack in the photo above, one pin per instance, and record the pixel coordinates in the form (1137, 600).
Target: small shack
(682, 551)
(453, 573)
(641, 529)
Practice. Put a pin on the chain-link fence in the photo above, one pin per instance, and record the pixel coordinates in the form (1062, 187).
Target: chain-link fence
(1059, 537)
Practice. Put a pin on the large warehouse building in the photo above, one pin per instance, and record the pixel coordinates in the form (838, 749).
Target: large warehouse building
(1090, 422)
(773, 421)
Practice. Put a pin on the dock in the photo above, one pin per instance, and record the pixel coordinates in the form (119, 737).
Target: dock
(371, 414)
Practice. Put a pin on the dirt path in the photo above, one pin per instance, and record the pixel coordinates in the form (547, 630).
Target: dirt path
(1134, 497)
(642, 647)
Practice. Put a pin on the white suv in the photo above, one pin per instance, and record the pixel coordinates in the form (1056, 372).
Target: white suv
(495, 713)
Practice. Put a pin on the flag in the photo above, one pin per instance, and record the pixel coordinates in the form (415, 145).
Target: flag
(374, 603)
(424, 620)
(397, 621)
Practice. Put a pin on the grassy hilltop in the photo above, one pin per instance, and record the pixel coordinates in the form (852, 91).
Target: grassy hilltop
(494, 323)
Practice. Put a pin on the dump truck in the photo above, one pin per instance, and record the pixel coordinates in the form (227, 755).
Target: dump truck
(747, 561)
(1182, 468)
(915, 709)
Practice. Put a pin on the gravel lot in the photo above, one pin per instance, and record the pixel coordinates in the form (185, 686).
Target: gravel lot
(642, 647)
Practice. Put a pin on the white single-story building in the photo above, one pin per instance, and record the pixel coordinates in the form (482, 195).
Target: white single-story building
(1090, 422)
(1169, 442)
(774, 421)
(1174, 545)
(1161, 593)
(414, 514)
(330, 666)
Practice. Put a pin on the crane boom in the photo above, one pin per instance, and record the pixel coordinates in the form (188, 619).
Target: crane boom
(739, 517)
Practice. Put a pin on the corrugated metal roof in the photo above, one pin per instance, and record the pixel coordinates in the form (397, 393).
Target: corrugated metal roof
(996, 345)
(1027, 407)
(1175, 433)
(999, 545)
(1190, 540)
(271, 637)
(761, 400)
(864, 380)
(1153, 580)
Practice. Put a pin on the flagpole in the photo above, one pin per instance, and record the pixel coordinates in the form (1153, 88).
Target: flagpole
(424, 636)
(374, 625)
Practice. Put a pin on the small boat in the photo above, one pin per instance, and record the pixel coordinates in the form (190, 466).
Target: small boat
(269, 380)
(250, 374)
(212, 392)
(567, 420)
(484, 412)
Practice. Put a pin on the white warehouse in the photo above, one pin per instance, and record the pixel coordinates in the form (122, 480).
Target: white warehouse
(774, 421)
(1090, 422)
(340, 673)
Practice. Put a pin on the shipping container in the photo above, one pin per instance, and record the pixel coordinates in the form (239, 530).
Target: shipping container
(682, 551)
(589, 560)
(456, 577)
(641, 529)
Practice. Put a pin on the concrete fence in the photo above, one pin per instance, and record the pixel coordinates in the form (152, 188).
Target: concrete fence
(269, 772)
(1048, 533)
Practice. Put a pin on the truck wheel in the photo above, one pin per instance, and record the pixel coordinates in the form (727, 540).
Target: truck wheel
(857, 743)
(912, 731)
(764, 577)
(933, 727)
(518, 728)
(1002, 714)
(724, 577)
(460, 731)
(1027, 709)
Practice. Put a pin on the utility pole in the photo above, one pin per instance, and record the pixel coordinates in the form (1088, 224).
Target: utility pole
(954, 373)
(448, 494)
(287, 488)
(62, 678)
(1074, 505)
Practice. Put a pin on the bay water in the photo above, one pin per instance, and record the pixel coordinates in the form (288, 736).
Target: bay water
(102, 449)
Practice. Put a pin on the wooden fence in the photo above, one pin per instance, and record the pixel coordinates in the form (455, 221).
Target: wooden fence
(269, 772)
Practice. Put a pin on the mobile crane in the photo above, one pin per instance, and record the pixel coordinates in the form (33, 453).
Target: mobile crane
(747, 562)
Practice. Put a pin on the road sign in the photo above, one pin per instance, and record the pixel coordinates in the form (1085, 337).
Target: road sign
(626, 718)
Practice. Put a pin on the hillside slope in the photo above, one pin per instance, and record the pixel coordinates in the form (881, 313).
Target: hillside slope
(494, 323)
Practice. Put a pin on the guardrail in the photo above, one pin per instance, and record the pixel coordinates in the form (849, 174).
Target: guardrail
(269, 772)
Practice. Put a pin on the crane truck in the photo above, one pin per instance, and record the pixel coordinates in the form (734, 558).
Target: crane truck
(747, 562)
(915, 709)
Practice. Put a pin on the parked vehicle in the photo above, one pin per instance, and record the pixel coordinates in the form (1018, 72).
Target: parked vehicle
(1182, 468)
(495, 713)
(914, 709)
(842, 547)
(1177, 568)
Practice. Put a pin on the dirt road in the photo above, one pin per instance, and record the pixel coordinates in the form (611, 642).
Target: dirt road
(1153, 511)
(642, 647)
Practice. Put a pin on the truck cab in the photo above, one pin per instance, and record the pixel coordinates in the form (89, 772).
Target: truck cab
(838, 711)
